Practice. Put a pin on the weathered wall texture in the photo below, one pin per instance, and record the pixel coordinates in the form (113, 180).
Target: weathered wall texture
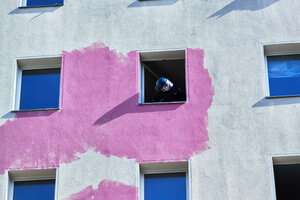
(107, 190)
(2, 188)
(229, 146)
(99, 111)
(91, 168)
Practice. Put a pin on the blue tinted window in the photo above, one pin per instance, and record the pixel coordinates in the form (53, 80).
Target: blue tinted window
(165, 186)
(34, 190)
(32, 3)
(40, 89)
(284, 75)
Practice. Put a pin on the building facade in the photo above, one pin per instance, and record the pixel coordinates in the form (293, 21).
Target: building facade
(100, 134)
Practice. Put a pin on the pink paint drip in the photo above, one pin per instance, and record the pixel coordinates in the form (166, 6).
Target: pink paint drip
(99, 110)
(107, 190)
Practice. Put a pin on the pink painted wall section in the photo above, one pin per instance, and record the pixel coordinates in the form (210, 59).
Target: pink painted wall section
(99, 111)
(107, 190)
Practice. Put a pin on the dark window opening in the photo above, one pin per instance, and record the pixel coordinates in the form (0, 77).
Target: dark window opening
(173, 70)
(287, 181)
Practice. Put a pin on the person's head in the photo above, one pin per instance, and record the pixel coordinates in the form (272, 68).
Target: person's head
(163, 84)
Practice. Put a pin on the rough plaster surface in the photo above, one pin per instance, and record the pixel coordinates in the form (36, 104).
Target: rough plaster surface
(232, 170)
(99, 110)
(107, 190)
(2, 188)
(90, 170)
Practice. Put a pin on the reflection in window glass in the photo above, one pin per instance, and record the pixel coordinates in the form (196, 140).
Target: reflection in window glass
(284, 75)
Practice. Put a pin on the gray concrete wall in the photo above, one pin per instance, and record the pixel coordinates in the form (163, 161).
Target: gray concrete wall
(243, 132)
(2, 188)
(90, 168)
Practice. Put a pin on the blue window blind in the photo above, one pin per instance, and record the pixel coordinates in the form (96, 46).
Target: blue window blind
(36, 3)
(165, 186)
(34, 190)
(284, 75)
(40, 89)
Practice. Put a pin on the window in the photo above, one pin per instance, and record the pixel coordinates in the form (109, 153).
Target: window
(32, 184)
(284, 75)
(169, 65)
(287, 177)
(283, 70)
(36, 190)
(40, 3)
(164, 181)
(38, 84)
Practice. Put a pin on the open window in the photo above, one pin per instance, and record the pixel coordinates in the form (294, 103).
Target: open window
(283, 69)
(33, 185)
(170, 65)
(40, 3)
(287, 177)
(164, 181)
(37, 84)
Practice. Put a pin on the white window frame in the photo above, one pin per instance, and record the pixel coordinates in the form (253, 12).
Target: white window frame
(281, 159)
(29, 175)
(165, 168)
(278, 49)
(157, 55)
(34, 63)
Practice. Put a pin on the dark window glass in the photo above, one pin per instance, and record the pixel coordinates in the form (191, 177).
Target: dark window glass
(40, 89)
(284, 75)
(34, 190)
(165, 186)
(287, 181)
(174, 70)
(32, 3)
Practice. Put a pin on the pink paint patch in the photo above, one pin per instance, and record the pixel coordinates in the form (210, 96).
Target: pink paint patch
(99, 110)
(107, 190)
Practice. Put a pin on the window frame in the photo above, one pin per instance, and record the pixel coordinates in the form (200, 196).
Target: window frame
(278, 49)
(165, 168)
(281, 159)
(23, 4)
(30, 175)
(34, 63)
(170, 54)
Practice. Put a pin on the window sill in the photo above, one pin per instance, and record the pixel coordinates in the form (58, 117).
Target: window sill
(161, 103)
(24, 7)
(36, 110)
(287, 96)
